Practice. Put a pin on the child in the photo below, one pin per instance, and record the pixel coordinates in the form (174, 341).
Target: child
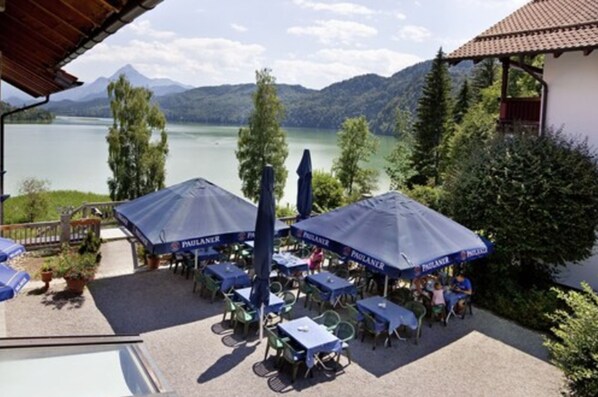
(438, 303)
(315, 259)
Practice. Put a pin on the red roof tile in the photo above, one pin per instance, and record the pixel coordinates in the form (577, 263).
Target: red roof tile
(541, 26)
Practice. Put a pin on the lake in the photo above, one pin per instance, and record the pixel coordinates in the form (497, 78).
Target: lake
(72, 153)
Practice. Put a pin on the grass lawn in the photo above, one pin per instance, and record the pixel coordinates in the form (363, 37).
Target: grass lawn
(14, 207)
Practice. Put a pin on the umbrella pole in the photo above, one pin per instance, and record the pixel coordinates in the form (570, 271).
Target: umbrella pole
(261, 323)
(196, 259)
(385, 286)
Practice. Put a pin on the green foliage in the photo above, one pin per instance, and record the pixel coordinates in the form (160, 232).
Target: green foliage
(91, 245)
(356, 144)
(75, 266)
(430, 196)
(462, 103)
(485, 74)
(535, 197)
(285, 211)
(399, 166)
(434, 121)
(35, 115)
(575, 347)
(263, 142)
(137, 163)
(327, 191)
(16, 207)
(36, 202)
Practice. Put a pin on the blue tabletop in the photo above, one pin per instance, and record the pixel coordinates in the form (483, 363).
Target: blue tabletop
(315, 339)
(451, 298)
(288, 263)
(202, 254)
(274, 306)
(230, 275)
(393, 314)
(335, 285)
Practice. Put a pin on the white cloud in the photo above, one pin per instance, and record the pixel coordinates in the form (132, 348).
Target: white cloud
(328, 66)
(335, 31)
(238, 28)
(400, 16)
(144, 28)
(341, 8)
(414, 33)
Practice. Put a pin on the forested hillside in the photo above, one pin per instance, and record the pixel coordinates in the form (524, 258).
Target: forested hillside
(32, 115)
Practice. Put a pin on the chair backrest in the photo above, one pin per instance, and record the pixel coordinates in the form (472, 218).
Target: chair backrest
(289, 298)
(342, 272)
(289, 353)
(331, 318)
(345, 331)
(228, 303)
(402, 295)
(417, 308)
(275, 287)
(200, 277)
(354, 315)
(305, 287)
(369, 321)
(273, 338)
(211, 283)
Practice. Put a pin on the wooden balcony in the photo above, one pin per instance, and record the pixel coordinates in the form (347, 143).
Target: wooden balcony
(520, 111)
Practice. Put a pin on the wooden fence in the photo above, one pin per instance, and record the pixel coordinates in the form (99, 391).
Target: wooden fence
(102, 210)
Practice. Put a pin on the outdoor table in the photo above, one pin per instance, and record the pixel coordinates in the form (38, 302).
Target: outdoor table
(312, 337)
(249, 243)
(229, 274)
(274, 306)
(391, 313)
(334, 285)
(288, 264)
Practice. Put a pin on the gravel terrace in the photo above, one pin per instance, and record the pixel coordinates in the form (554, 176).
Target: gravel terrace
(482, 355)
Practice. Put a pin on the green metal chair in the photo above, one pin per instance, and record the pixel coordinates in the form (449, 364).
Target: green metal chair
(420, 312)
(276, 288)
(345, 332)
(318, 297)
(275, 342)
(289, 301)
(401, 296)
(355, 317)
(199, 279)
(293, 357)
(306, 289)
(229, 307)
(245, 317)
(330, 319)
(212, 286)
(373, 327)
(342, 272)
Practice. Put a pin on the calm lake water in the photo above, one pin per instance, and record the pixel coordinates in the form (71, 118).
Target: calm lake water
(71, 153)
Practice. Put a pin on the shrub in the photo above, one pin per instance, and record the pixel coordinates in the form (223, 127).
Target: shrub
(535, 197)
(327, 191)
(285, 211)
(430, 196)
(91, 245)
(575, 347)
(36, 202)
(76, 266)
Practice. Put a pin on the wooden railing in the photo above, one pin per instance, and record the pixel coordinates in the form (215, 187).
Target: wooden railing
(520, 110)
(50, 234)
(100, 210)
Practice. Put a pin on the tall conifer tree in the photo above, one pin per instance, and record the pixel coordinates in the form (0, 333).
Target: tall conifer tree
(434, 120)
(462, 102)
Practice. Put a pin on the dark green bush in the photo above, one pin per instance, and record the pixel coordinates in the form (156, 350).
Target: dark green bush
(575, 347)
(91, 245)
(327, 191)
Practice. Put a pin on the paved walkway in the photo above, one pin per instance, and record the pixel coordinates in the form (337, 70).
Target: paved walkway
(482, 355)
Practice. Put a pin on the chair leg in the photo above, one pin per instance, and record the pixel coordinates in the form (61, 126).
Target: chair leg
(246, 330)
(267, 348)
(295, 368)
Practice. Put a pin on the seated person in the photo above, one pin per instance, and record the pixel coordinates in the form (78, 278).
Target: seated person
(461, 285)
(438, 303)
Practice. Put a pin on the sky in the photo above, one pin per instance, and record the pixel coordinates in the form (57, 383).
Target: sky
(309, 42)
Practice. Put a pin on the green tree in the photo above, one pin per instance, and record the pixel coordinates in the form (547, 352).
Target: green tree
(263, 141)
(462, 103)
(36, 201)
(535, 197)
(485, 74)
(575, 347)
(399, 166)
(137, 163)
(327, 191)
(434, 121)
(356, 144)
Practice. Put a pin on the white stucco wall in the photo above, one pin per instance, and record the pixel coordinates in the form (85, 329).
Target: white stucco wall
(573, 93)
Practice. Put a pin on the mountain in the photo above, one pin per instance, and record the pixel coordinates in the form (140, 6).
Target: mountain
(373, 96)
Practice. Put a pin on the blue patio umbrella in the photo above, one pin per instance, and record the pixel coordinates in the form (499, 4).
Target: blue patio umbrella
(189, 216)
(11, 281)
(264, 243)
(394, 235)
(304, 189)
(9, 249)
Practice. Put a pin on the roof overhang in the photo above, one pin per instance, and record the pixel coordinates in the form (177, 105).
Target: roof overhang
(38, 37)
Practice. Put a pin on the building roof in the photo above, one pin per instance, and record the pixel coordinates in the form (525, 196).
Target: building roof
(38, 37)
(540, 26)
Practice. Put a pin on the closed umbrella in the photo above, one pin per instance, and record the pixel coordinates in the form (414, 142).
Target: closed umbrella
(9, 249)
(304, 189)
(11, 281)
(264, 244)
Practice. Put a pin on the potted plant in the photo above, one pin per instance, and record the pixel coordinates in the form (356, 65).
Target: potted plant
(77, 270)
(46, 272)
(153, 261)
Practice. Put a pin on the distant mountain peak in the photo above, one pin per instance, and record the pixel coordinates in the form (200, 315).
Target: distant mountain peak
(129, 71)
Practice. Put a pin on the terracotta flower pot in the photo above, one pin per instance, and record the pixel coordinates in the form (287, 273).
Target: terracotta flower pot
(153, 262)
(46, 276)
(76, 285)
